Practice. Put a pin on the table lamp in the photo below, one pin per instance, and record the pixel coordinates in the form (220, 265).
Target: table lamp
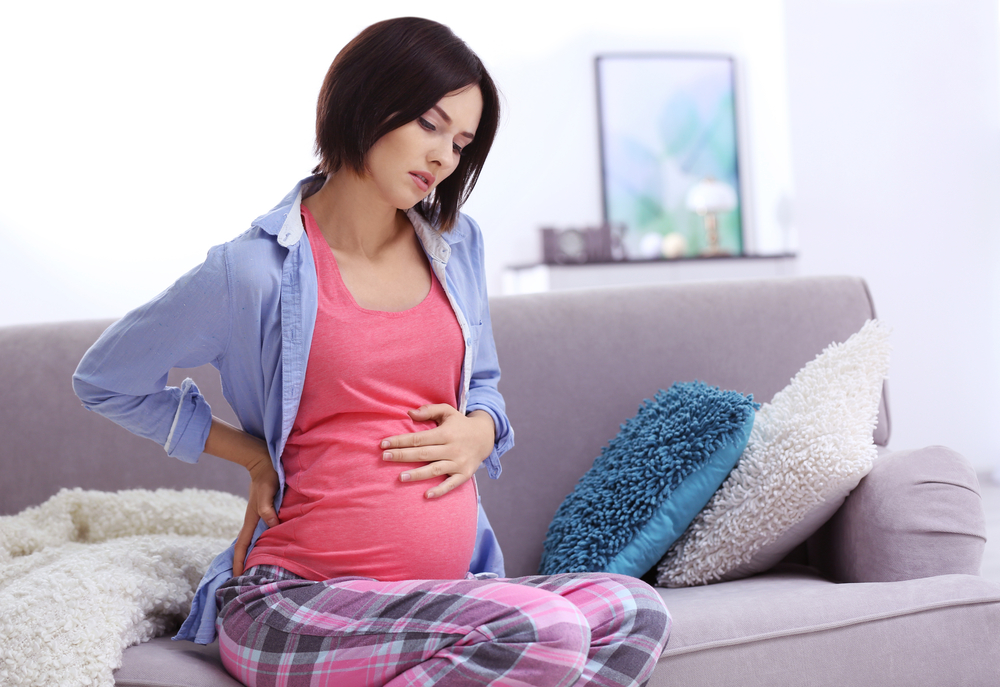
(708, 198)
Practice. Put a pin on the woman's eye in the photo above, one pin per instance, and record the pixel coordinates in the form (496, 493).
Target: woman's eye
(458, 149)
(425, 124)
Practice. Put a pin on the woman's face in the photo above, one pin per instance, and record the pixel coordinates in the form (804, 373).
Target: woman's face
(407, 163)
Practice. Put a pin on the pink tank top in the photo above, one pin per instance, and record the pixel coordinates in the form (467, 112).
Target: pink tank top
(345, 512)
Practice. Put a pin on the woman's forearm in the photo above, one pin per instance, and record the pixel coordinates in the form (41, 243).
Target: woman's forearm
(485, 421)
(235, 445)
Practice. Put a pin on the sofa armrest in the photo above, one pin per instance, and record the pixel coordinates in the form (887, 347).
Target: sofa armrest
(916, 514)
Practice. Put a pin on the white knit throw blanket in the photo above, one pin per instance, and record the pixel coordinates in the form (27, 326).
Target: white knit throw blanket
(88, 574)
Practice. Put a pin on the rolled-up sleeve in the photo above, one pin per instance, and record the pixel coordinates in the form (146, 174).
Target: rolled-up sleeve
(123, 376)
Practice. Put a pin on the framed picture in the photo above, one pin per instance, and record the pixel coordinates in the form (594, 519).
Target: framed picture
(670, 153)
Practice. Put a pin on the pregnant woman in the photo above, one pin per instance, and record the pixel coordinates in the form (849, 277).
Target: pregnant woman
(351, 329)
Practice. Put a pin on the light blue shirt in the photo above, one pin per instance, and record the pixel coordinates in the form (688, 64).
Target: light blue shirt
(249, 310)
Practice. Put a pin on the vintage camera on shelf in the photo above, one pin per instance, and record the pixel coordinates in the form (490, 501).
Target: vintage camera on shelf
(602, 243)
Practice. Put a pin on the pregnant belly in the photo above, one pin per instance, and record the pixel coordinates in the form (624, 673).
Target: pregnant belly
(355, 517)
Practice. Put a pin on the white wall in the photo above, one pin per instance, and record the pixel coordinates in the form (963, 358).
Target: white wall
(133, 136)
(895, 110)
(136, 135)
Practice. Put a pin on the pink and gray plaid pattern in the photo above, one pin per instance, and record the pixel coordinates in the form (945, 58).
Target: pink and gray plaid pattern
(276, 628)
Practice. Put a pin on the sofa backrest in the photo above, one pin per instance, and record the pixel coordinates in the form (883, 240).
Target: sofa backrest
(50, 441)
(577, 364)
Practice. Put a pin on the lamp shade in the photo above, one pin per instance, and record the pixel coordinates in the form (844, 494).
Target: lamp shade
(710, 195)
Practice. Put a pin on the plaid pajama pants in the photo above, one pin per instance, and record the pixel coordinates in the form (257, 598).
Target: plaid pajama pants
(276, 628)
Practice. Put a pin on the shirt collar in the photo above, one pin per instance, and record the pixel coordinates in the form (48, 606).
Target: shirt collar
(436, 244)
(284, 219)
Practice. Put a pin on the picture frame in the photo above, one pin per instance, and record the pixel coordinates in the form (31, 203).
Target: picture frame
(672, 153)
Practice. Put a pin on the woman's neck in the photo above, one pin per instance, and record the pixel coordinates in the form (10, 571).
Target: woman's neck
(353, 216)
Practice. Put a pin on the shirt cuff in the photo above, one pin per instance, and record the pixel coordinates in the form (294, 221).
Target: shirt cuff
(492, 462)
(191, 424)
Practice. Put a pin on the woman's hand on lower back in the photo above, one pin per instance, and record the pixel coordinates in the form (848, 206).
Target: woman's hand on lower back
(260, 506)
(235, 445)
(456, 447)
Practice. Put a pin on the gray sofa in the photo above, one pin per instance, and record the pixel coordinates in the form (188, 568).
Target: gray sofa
(887, 593)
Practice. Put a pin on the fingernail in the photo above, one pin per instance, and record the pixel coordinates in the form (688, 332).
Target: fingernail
(386, 456)
(384, 444)
(430, 495)
(405, 477)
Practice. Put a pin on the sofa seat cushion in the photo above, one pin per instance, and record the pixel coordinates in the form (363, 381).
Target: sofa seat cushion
(788, 627)
(162, 662)
(770, 627)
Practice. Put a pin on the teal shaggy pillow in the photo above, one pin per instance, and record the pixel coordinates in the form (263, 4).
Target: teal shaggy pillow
(650, 481)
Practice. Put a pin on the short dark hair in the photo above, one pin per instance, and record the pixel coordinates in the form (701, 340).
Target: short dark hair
(390, 74)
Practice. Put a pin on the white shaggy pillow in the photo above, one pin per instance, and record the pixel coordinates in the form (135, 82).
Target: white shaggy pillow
(808, 449)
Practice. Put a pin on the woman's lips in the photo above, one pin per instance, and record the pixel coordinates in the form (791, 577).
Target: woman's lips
(423, 180)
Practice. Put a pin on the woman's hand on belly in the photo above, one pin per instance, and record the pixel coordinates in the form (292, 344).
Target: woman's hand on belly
(455, 448)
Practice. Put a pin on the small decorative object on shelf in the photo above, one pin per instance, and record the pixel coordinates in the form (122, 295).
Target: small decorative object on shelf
(654, 245)
(589, 244)
(673, 246)
(708, 198)
(650, 246)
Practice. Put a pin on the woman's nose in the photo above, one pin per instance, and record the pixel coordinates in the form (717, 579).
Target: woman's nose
(441, 153)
